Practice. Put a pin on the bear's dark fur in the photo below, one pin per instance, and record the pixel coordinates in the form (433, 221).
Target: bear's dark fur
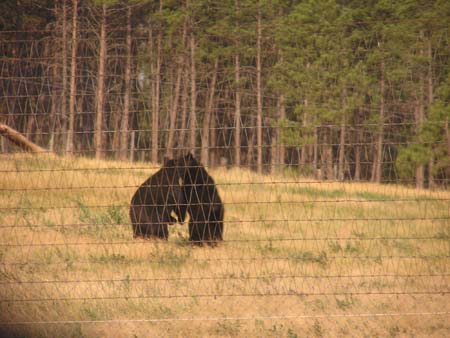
(155, 200)
(201, 201)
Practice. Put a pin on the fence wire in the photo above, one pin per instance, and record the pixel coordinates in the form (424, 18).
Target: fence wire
(330, 227)
(296, 251)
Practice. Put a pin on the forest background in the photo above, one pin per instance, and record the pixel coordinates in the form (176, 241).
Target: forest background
(346, 90)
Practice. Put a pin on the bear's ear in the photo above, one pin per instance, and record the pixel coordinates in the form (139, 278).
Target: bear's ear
(190, 155)
(167, 162)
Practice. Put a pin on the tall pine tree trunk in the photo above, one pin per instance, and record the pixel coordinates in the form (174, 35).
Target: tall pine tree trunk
(277, 158)
(419, 116)
(168, 87)
(213, 139)
(358, 140)
(258, 92)
(78, 146)
(280, 143)
(173, 112)
(55, 103)
(192, 112)
(304, 149)
(99, 151)
(73, 74)
(327, 154)
(237, 113)
(184, 107)
(237, 109)
(273, 150)
(115, 145)
(64, 79)
(155, 112)
(431, 183)
(126, 96)
(378, 148)
(204, 158)
(341, 156)
(250, 134)
(381, 128)
(304, 146)
(176, 99)
(374, 162)
(317, 173)
(152, 77)
(152, 96)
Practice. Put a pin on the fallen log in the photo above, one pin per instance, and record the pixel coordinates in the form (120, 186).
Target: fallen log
(19, 140)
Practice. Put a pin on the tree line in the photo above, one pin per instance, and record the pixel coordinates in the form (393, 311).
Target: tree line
(347, 90)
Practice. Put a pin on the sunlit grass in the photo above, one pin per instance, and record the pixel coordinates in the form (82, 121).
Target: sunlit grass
(293, 247)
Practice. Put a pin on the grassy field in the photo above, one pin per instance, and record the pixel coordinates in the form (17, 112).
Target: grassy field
(301, 258)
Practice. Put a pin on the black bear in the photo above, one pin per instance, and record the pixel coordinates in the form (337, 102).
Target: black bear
(155, 201)
(201, 201)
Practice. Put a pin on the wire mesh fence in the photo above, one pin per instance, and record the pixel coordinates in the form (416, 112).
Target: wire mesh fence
(296, 251)
(336, 213)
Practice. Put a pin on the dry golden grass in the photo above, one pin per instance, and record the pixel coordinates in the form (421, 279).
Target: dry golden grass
(300, 257)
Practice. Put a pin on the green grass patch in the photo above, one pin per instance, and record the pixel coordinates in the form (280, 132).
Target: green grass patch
(310, 257)
(89, 312)
(443, 234)
(228, 328)
(160, 310)
(315, 192)
(36, 163)
(371, 196)
(110, 259)
(267, 248)
(171, 259)
(345, 303)
(337, 193)
(405, 247)
(112, 215)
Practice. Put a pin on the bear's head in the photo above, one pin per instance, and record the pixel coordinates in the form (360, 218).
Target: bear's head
(187, 163)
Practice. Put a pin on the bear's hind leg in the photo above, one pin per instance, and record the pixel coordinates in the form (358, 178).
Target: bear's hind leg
(216, 231)
(196, 233)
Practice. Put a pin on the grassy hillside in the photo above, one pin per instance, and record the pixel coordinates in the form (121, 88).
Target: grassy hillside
(300, 257)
